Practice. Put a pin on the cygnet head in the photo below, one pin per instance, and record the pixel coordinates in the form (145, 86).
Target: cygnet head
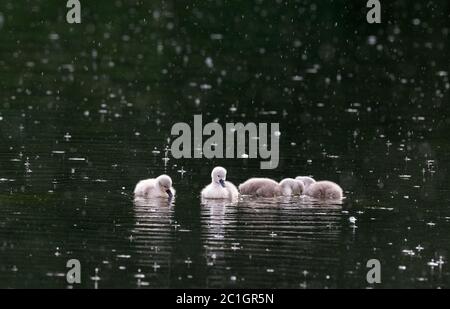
(219, 175)
(307, 181)
(165, 184)
(291, 186)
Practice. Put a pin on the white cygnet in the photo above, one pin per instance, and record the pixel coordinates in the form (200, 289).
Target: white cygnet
(265, 187)
(290, 186)
(219, 188)
(324, 190)
(160, 187)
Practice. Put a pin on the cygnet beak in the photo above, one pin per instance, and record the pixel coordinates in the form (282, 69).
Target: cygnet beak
(222, 182)
(169, 192)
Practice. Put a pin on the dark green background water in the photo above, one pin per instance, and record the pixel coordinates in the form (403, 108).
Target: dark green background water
(86, 112)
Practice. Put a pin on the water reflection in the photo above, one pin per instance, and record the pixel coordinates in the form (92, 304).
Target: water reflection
(268, 241)
(218, 218)
(153, 236)
(253, 242)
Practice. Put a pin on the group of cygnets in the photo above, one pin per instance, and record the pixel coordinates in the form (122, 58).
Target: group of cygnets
(219, 188)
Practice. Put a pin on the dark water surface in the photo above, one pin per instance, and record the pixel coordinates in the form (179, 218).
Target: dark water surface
(86, 112)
